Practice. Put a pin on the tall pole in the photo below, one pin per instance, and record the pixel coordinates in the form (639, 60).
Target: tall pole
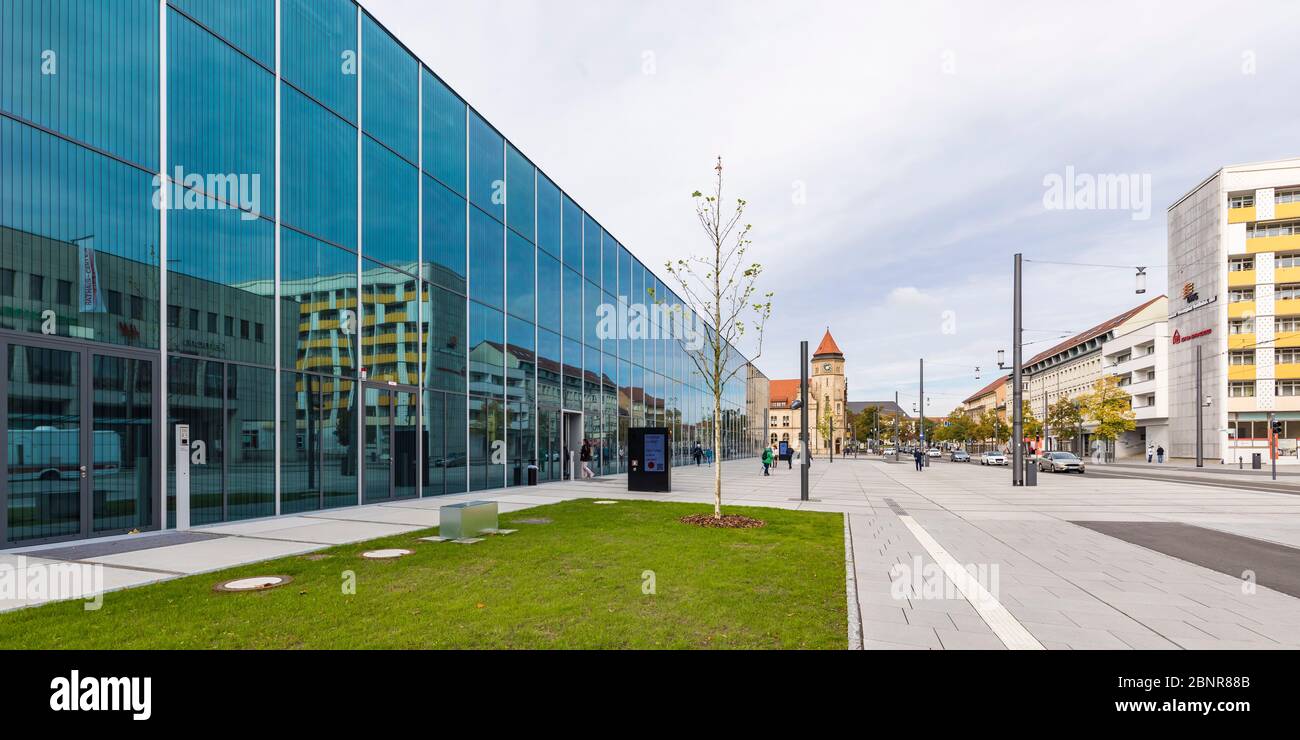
(1017, 408)
(920, 433)
(830, 443)
(896, 440)
(1200, 413)
(803, 420)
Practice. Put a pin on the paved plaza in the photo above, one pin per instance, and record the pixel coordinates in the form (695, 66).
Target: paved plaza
(949, 558)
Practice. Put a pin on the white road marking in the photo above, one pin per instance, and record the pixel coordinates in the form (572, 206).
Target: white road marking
(1008, 629)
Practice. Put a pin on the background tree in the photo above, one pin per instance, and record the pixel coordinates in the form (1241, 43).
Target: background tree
(960, 426)
(720, 286)
(1032, 426)
(1065, 417)
(1110, 407)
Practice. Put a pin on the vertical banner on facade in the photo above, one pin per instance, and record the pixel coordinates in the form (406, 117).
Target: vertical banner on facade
(92, 298)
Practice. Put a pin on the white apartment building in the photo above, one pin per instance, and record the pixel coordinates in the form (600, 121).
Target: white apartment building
(1073, 367)
(1140, 358)
(1234, 269)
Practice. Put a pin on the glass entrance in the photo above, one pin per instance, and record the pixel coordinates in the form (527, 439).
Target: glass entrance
(391, 444)
(80, 441)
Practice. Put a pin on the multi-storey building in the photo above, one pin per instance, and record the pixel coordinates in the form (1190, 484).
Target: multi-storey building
(1234, 269)
(1072, 368)
(1139, 358)
(269, 221)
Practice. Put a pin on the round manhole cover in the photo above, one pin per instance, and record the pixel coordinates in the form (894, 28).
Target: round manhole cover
(254, 583)
(385, 554)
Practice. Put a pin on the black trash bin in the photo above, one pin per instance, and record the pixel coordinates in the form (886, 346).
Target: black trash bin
(1031, 472)
(532, 472)
(1256, 461)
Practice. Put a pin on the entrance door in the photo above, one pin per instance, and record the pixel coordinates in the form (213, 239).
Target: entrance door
(391, 444)
(571, 445)
(80, 439)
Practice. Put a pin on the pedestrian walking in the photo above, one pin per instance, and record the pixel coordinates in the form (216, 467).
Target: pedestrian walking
(697, 452)
(1160, 455)
(1151, 452)
(767, 460)
(917, 456)
(585, 457)
(708, 455)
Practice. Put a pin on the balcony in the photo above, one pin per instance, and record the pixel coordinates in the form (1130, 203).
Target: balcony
(1247, 340)
(1241, 215)
(1241, 309)
(1286, 275)
(1246, 278)
(1273, 243)
(1241, 372)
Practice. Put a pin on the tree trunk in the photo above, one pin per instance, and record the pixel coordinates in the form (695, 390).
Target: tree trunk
(717, 457)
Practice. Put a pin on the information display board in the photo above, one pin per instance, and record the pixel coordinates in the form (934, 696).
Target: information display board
(649, 459)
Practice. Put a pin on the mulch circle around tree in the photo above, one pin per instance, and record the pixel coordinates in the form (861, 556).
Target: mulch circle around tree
(728, 521)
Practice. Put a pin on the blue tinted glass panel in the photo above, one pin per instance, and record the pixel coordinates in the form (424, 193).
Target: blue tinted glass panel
(90, 210)
(223, 264)
(389, 203)
(519, 280)
(225, 150)
(520, 176)
(444, 133)
(572, 227)
(486, 342)
(389, 311)
(249, 25)
(486, 259)
(572, 304)
(319, 51)
(589, 322)
(486, 167)
(321, 280)
(444, 322)
(591, 250)
(444, 236)
(548, 291)
(319, 170)
(389, 91)
(609, 264)
(548, 215)
(88, 70)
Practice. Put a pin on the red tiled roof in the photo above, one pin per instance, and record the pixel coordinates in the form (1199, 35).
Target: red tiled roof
(783, 391)
(987, 389)
(828, 346)
(1095, 331)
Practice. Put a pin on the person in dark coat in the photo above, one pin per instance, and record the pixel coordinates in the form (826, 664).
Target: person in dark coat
(919, 457)
(697, 452)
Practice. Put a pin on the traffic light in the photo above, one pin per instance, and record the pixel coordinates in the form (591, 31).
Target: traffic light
(1277, 427)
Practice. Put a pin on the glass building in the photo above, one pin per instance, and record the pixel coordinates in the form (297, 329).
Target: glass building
(267, 220)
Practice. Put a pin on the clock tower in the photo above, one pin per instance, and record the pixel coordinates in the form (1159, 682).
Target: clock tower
(830, 394)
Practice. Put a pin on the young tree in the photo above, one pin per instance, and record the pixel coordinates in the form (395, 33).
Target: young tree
(720, 286)
(1065, 417)
(1110, 407)
(1032, 426)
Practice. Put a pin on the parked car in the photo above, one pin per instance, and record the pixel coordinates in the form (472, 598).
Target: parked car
(959, 456)
(934, 452)
(888, 451)
(1060, 462)
(993, 457)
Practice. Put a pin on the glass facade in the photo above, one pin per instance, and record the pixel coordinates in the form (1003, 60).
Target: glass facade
(347, 283)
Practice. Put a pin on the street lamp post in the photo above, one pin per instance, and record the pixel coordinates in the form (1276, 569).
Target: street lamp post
(803, 419)
(1018, 420)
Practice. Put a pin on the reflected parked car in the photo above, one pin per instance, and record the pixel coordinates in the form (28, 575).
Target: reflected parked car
(993, 457)
(959, 456)
(1060, 462)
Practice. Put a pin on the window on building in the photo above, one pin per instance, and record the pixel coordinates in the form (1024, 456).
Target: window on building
(1241, 389)
(1287, 292)
(1241, 357)
(1277, 228)
(1287, 323)
(1241, 264)
(1241, 201)
(36, 287)
(174, 316)
(1286, 259)
(1287, 356)
(1287, 388)
(7, 282)
(63, 292)
(1238, 295)
(1241, 326)
(1287, 196)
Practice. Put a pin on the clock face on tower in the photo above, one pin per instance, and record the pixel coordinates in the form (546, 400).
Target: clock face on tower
(826, 368)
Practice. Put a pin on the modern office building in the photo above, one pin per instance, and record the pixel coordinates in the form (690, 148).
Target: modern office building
(1139, 358)
(269, 221)
(1234, 274)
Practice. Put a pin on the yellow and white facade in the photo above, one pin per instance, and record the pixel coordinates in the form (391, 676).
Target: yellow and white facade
(1234, 281)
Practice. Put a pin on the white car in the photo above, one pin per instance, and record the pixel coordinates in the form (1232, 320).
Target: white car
(993, 458)
(934, 452)
(888, 451)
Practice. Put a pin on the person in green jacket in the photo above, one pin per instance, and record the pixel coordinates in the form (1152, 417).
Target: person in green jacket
(767, 460)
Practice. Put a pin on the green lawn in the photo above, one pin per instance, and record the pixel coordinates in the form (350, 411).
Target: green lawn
(573, 583)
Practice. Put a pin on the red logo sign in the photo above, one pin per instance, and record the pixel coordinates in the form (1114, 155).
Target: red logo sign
(1179, 338)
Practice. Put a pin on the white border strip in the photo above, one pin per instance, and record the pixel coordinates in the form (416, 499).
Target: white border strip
(851, 588)
(1008, 629)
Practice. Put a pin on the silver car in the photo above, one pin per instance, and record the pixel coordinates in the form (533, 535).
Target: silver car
(1060, 462)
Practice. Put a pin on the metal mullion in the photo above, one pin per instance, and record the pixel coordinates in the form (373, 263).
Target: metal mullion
(86, 391)
(4, 443)
(225, 443)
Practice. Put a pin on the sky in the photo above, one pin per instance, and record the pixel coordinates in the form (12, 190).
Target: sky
(894, 155)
